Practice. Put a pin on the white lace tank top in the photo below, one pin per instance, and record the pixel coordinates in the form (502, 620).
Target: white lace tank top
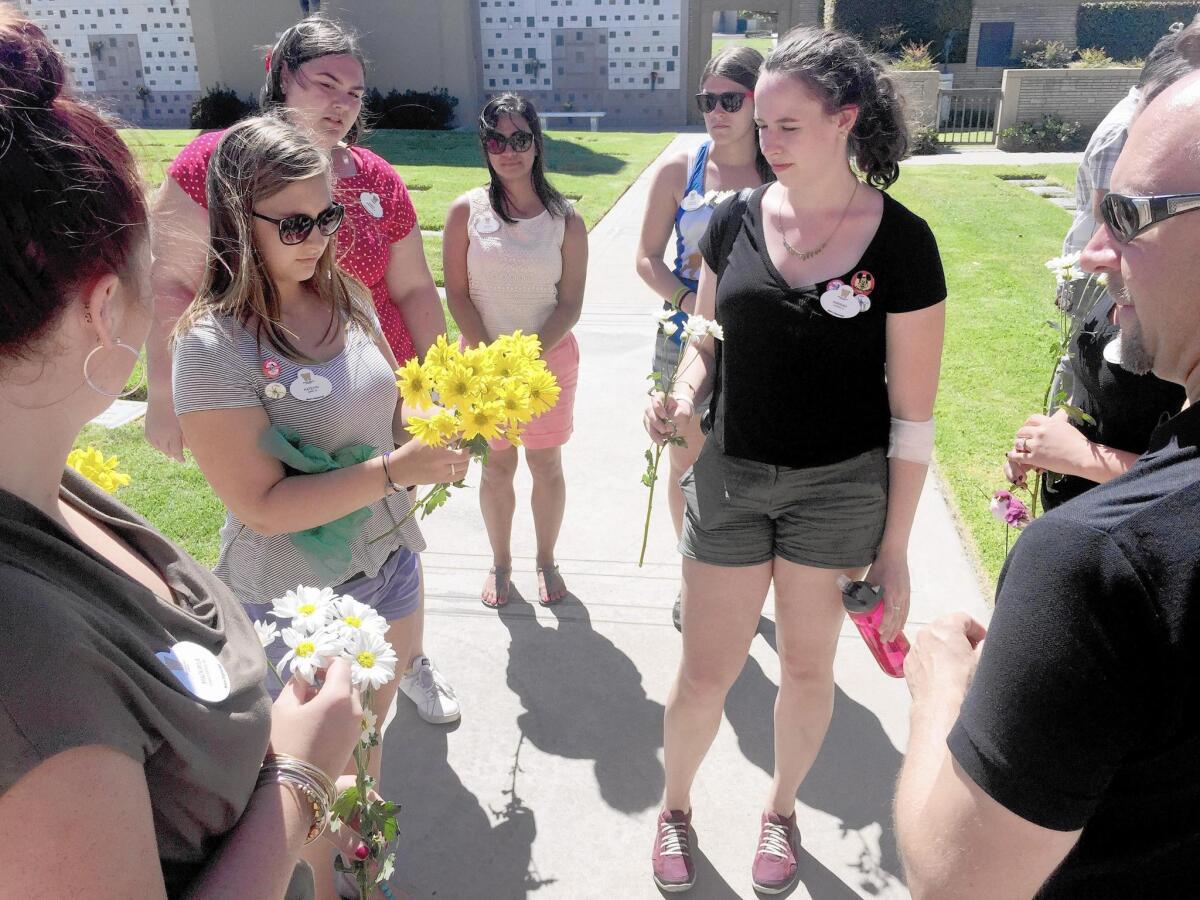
(512, 270)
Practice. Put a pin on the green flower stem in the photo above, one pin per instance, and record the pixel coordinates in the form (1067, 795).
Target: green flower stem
(417, 504)
(649, 505)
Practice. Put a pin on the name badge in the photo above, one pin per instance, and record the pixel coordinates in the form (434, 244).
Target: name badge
(309, 386)
(692, 202)
(487, 225)
(371, 203)
(841, 301)
(198, 670)
(1112, 350)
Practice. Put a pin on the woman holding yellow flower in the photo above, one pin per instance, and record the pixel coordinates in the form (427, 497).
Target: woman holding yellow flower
(515, 259)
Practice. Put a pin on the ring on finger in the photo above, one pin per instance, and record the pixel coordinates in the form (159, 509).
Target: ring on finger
(1022, 445)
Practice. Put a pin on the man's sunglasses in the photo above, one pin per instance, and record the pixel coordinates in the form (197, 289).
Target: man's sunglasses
(1127, 217)
(296, 229)
(494, 142)
(730, 102)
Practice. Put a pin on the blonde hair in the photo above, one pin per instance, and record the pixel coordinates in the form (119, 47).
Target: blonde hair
(256, 159)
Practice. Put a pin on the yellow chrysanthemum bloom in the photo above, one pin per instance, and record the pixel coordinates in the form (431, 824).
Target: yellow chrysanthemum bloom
(415, 385)
(543, 391)
(91, 464)
(443, 354)
(518, 406)
(512, 365)
(425, 431)
(484, 420)
(446, 424)
(513, 436)
(527, 346)
(459, 386)
(478, 360)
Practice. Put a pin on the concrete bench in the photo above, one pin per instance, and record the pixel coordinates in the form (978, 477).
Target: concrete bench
(594, 116)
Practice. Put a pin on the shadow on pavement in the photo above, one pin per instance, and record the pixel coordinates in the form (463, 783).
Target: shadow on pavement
(584, 699)
(852, 779)
(442, 823)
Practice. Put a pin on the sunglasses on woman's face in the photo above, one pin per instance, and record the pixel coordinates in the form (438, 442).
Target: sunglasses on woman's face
(731, 101)
(1127, 217)
(494, 142)
(296, 229)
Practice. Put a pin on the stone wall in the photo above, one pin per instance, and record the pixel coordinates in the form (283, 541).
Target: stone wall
(920, 93)
(1077, 95)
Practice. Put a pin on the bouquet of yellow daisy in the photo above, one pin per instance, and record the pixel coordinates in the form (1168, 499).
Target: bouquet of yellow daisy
(474, 396)
(102, 472)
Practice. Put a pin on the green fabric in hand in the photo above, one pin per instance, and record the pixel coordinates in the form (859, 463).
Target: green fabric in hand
(325, 548)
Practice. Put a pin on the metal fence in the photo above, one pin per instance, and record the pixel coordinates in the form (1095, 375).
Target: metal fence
(968, 115)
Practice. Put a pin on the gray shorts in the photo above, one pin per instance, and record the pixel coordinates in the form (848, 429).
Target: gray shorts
(666, 358)
(742, 513)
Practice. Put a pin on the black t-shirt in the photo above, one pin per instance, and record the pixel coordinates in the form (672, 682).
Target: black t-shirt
(796, 385)
(1085, 709)
(1126, 407)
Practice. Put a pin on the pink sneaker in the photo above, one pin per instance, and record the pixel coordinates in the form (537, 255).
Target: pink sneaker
(672, 856)
(775, 862)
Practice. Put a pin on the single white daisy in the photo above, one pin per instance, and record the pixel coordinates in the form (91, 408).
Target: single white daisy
(267, 632)
(368, 727)
(307, 607)
(696, 327)
(716, 331)
(664, 315)
(372, 659)
(350, 616)
(309, 652)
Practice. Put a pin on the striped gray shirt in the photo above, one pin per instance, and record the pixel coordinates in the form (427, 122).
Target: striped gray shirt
(219, 364)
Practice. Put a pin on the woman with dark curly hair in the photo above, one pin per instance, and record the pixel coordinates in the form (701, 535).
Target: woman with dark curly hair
(830, 297)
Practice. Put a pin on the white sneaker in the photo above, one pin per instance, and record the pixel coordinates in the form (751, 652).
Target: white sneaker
(425, 686)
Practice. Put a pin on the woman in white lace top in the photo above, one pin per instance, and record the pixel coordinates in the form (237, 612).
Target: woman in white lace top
(515, 257)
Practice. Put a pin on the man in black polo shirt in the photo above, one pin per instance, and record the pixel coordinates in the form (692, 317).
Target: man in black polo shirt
(1060, 757)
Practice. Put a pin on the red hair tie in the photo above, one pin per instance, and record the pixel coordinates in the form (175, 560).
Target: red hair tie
(267, 62)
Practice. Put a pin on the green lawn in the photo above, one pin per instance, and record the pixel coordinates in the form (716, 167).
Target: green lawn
(993, 238)
(593, 169)
(763, 45)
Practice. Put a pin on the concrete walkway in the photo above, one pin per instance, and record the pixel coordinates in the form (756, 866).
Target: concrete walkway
(550, 785)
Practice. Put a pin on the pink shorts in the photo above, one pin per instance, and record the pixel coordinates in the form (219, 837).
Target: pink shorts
(553, 428)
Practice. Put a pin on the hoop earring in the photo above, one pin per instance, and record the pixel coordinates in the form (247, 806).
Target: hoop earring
(121, 345)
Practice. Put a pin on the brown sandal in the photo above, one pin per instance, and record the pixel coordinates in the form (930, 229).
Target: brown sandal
(498, 574)
(544, 588)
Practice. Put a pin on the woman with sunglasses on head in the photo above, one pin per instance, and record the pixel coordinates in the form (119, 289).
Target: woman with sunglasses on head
(679, 203)
(134, 726)
(315, 78)
(831, 300)
(515, 257)
(285, 389)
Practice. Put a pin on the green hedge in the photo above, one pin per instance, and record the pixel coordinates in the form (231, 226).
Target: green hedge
(1127, 30)
(926, 21)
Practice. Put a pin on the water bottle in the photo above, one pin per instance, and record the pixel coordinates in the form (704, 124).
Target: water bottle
(864, 604)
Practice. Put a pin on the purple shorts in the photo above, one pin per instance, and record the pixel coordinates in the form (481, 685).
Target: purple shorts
(394, 593)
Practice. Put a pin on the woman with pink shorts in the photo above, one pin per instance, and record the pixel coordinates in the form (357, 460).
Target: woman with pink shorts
(515, 257)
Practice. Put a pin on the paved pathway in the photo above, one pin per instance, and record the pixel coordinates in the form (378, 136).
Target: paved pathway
(550, 784)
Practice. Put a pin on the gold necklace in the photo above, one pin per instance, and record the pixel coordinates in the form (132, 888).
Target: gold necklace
(809, 254)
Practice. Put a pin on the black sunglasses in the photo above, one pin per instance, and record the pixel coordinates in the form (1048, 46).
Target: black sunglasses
(296, 229)
(730, 101)
(494, 142)
(1127, 217)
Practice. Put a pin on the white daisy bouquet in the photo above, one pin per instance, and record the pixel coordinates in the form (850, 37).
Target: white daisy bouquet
(322, 626)
(696, 328)
(1076, 294)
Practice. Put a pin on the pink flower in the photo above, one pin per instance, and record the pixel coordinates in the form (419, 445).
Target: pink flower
(1009, 510)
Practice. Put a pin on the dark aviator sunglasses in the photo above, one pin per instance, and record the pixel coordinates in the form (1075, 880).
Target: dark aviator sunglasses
(731, 101)
(1127, 217)
(296, 229)
(494, 142)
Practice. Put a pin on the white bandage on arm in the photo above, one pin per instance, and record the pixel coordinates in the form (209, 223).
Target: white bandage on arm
(912, 441)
